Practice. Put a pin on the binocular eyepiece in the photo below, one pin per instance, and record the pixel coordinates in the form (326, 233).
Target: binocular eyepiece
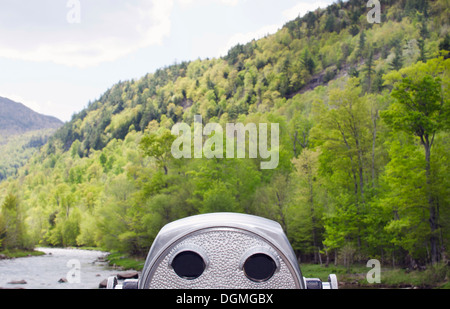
(222, 250)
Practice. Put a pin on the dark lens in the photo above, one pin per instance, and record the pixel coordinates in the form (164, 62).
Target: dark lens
(188, 265)
(259, 267)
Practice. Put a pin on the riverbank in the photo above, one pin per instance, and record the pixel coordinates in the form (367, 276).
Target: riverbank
(17, 253)
(114, 259)
(354, 277)
(57, 268)
(125, 262)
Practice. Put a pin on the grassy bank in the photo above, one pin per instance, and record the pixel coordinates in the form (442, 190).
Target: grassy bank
(355, 276)
(125, 262)
(16, 253)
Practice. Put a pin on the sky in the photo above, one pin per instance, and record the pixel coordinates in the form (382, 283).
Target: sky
(57, 55)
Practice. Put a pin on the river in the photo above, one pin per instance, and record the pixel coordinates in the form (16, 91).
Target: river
(81, 267)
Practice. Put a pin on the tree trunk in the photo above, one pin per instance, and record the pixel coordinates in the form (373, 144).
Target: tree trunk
(295, 143)
(313, 218)
(374, 138)
(431, 203)
(360, 167)
(282, 217)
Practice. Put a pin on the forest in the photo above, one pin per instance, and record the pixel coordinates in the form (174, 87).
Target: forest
(364, 147)
(16, 150)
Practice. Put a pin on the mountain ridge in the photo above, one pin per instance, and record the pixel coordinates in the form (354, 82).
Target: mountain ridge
(16, 118)
(22, 133)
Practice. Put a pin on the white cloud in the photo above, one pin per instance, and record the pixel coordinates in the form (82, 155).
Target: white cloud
(299, 9)
(302, 8)
(225, 2)
(230, 2)
(243, 38)
(107, 31)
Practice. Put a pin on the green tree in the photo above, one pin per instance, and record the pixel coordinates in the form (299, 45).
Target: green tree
(344, 133)
(445, 46)
(13, 223)
(344, 128)
(369, 70)
(2, 230)
(115, 221)
(70, 229)
(274, 201)
(362, 43)
(422, 108)
(308, 209)
(159, 146)
(424, 33)
(423, 53)
(308, 62)
(219, 198)
(397, 62)
(404, 198)
(299, 129)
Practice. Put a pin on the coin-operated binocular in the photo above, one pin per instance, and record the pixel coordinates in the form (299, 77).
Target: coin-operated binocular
(222, 251)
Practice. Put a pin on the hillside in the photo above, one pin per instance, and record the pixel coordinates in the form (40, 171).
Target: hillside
(22, 133)
(351, 183)
(16, 118)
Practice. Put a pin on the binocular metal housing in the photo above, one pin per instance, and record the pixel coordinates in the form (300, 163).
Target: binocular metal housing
(222, 251)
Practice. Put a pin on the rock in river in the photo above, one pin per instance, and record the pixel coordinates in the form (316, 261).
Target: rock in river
(18, 282)
(128, 275)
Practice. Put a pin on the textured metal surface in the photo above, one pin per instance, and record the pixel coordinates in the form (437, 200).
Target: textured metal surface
(225, 248)
(226, 239)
